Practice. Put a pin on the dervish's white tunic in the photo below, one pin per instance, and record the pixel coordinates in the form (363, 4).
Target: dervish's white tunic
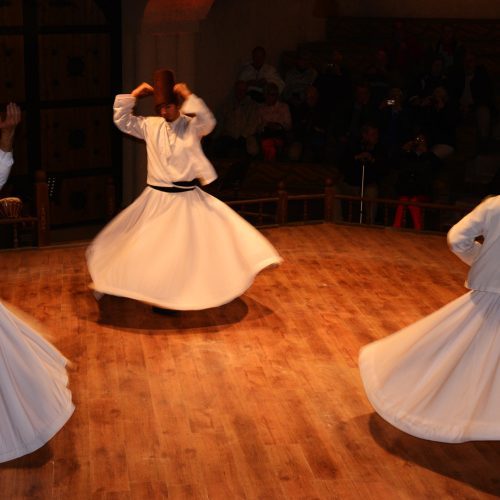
(182, 251)
(439, 378)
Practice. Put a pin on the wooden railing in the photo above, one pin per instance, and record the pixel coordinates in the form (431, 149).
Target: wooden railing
(275, 210)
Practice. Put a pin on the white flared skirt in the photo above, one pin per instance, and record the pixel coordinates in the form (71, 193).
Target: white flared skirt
(182, 251)
(439, 378)
(34, 399)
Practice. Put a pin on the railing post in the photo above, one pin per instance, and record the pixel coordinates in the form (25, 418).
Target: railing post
(329, 200)
(42, 208)
(282, 214)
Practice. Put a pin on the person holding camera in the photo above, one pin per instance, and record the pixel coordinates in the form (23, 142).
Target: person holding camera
(418, 167)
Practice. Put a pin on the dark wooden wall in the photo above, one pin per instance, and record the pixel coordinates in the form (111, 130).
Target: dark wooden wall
(61, 61)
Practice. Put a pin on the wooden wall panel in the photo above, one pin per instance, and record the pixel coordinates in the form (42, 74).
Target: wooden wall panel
(79, 199)
(74, 66)
(77, 138)
(12, 64)
(67, 12)
(11, 13)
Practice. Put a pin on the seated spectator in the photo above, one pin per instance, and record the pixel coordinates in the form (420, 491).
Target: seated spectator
(449, 48)
(396, 123)
(297, 79)
(335, 93)
(274, 123)
(363, 110)
(363, 167)
(381, 77)
(258, 74)
(237, 125)
(404, 51)
(471, 90)
(439, 124)
(425, 84)
(418, 169)
(309, 122)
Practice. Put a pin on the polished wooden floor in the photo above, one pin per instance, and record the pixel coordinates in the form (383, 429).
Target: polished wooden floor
(259, 399)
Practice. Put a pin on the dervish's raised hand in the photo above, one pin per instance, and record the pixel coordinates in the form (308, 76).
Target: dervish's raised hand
(8, 126)
(143, 90)
(12, 117)
(182, 90)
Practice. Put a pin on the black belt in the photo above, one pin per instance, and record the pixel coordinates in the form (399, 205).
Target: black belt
(183, 186)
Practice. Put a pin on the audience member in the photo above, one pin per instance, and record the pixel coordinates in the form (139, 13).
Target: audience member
(449, 49)
(258, 74)
(274, 123)
(425, 84)
(297, 79)
(237, 125)
(439, 124)
(404, 51)
(471, 89)
(335, 93)
(363, 110)
(310, 123)
(363, 167)
(381, 77)
(396, 124)
(418, 168)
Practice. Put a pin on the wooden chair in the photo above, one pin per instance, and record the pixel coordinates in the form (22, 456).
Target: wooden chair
(39, 221)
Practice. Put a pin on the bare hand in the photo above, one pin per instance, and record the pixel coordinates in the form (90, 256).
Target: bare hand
(364, 156)
(182, 90)
(143, 90)
(12, 117)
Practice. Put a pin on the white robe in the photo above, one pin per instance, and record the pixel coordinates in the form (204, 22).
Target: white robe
(182, 251)
(34, 399)
(439, 378)
(6, 162)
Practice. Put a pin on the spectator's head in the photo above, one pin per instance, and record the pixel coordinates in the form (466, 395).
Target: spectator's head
(311, 96)
(437, 66)
(369, 135)
(240, 90)
(448, 35)
(258, 57)
(362, 94)
(303, 60)
(470, 62)
(337, 57)
(381, 59)
(271, 94)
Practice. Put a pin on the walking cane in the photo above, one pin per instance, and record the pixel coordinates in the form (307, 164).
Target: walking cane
(362, 191)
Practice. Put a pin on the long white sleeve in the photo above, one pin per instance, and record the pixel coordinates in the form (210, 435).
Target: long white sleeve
(124, 117)
(203, 120)
(6, 161)
(462, 236)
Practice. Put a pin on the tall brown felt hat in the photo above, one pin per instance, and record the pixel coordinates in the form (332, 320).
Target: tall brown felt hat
(163, 84)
